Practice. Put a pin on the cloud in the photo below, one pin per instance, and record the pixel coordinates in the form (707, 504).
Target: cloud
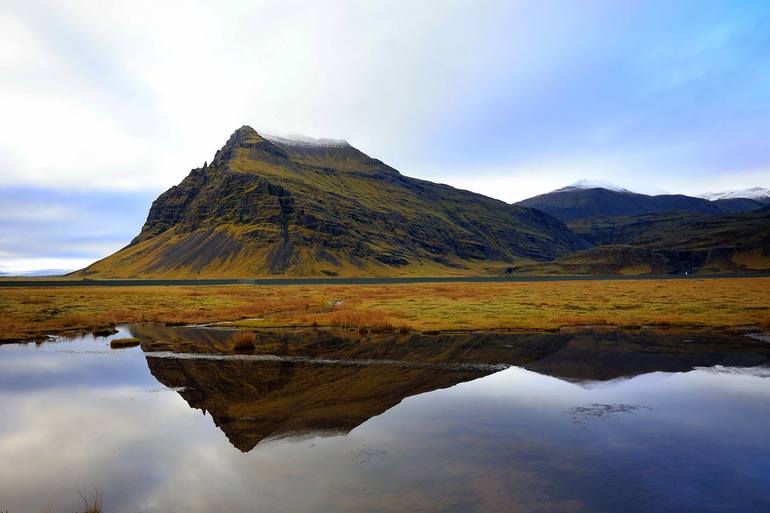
(506, 98)
(43, 228)
(104, 97)
(113, 96)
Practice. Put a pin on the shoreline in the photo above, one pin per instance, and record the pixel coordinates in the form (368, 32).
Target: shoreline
(756, 332)
(64, 281)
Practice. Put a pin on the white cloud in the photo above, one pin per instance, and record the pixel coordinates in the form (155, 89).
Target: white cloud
(132, 95)
(516, 183)
(733, 181)
(18, 211)
(26, 265)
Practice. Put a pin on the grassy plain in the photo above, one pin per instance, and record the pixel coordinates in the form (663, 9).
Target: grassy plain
(27, 313)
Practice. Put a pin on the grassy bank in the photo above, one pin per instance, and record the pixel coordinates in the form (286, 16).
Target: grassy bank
(720, 303)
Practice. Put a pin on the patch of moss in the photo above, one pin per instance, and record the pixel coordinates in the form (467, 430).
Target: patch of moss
(122, 343)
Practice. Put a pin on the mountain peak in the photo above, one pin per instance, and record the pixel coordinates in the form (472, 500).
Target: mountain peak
(592, 184)
(245, 134)
(245, 138)
(246, 129)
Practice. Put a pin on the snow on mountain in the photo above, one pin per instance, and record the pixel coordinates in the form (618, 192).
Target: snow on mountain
(302, 140)
(592, 184)
(755, 193)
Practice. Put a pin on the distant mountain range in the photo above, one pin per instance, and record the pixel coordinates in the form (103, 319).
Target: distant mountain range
(275, 206)
(635, 233)
(584, 200)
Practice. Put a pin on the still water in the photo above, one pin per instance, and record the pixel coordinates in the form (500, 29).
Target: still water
(318, 423)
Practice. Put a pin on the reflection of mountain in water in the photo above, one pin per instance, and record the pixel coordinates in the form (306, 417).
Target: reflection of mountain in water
(251, 400)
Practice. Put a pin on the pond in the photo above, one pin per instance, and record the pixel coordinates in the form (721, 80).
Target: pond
(316, 422)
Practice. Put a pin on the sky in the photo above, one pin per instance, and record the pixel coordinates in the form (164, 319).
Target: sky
(104, 105)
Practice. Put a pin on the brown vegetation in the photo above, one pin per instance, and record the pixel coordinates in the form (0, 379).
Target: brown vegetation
(244, 341)
(29, 313)
(371, 320)
(120, 343)
(92, 502)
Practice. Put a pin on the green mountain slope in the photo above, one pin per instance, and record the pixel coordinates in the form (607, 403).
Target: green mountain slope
(681, 231)
(270, 206)
(668, 243)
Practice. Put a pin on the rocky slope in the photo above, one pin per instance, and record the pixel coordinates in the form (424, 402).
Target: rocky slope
(270, 206)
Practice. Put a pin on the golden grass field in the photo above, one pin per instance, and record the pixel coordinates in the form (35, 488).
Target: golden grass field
(27, 313)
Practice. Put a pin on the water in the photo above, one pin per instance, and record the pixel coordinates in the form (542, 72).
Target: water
(535, 423)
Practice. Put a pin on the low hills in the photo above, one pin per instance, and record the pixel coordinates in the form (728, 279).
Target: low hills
(673, 242)
(268, 206)
(584, 201)
(633, 233)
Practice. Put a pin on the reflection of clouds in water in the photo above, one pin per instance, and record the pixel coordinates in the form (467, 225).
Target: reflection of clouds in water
(29, 371)
(483, 444)
(59, 441)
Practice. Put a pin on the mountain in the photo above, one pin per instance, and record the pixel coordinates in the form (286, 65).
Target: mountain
(580, 202)
(760, 194)
(673, 242)
(269, 206)
(592, 184)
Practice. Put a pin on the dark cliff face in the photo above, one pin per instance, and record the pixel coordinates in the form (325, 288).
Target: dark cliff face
(268, 206)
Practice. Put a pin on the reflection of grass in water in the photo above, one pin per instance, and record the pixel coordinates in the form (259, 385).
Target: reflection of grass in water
(29, 312)
(92, 502)
(121, 343)
(244, 341)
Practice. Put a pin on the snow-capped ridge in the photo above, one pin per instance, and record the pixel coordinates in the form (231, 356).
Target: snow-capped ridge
(755, 193)
(303, 140)
(592, 184)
